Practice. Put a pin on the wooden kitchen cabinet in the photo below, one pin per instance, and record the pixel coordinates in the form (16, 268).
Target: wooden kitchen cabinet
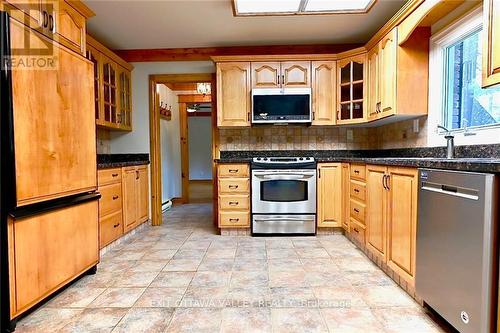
(330, 192)
(376, 203)
(324, 83)
(233, 195)
(351, 93)
(266, 74)
(402, 196)
(110, 205)
(491, 43)
(391, 217)
(135, 186)
(393, 69)
(70, 27)
(345, 197)
(286, 74)
(356, 194)
(112, 87)
(233, 94)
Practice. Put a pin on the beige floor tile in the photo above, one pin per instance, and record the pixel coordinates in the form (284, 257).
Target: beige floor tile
(147, 320)
(249, 297)
(309, 242)
(279, 243)
(386, 296)
(116, 266)
(292, 297)
(159, 254)
(75, 297)
(335, 296)
(320, 265)
(190, 320)
(284, 264)
(279, 253)
(401, 319)
(221, 253)
(290, 320)
(95, 321)
(47, 320)
(211, 279)
(99, 280)
(189, 254)
(296, 278)
(249, 264)
(180, 265)
(362, 264)
(242, 279)
(154, 297)
(251, 252)
(117, 298)
(129, 255)
(134, 279)
(149, 266)
(316, 279)
(211, 297)
(246, 320)
(216, 264)
(305, 252)
(173, 279)
(351, 320)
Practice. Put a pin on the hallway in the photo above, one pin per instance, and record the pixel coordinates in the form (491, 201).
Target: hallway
(183, 277)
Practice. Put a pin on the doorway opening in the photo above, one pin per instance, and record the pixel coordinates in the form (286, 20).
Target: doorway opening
(183, 140)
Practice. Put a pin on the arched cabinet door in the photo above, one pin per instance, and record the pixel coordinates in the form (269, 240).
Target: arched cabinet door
(324, 78)
(296, 74)
(233, 94)
(265, 74)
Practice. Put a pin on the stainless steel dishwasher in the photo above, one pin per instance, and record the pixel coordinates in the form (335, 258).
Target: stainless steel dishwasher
(456, 273)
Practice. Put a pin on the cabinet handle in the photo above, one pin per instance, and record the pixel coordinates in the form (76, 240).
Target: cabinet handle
(233, 170)
(248, 116)
(356, 171)
(115, 197)
(234, 220)
(116, 225)
(233, 186)
(233, 203)
(314, 115)
(355, 230)
(387, 182)
(278, 80)
(137, 174)
(356, 190)
(283, 79)
(383, 182)
(356, 210)
(114, 175)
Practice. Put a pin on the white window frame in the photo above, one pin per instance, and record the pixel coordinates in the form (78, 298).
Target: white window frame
(438, 43)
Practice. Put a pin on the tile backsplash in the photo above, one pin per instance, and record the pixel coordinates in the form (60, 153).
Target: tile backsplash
(103, 141)
(395, 135)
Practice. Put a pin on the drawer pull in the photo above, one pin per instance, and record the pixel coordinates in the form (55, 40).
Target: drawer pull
(116, 225)
(115, 197)
(114, 175)
(233, 186)
(233, 170)
(356, 190)
(356, 171)
(356, 210)
(233, 203)
(356, 230)
(234, 220)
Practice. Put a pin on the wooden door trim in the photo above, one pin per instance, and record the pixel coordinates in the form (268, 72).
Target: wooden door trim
(154, 133)
(183, 130)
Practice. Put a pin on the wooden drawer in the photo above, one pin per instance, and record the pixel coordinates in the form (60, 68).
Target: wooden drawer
(358, 190)
(234, 202)
(234, 170)
(358, 232)
(234, 185)
(70, 27)
(358, 171)
(110, 228)
(111, 199)
(234, 219)
(108, 176)
(357, 211)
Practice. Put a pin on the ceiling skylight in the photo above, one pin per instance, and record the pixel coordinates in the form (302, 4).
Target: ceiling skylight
(300, 7)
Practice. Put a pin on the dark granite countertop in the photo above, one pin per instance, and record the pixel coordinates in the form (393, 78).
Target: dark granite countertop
(481, 158)
(106, 161)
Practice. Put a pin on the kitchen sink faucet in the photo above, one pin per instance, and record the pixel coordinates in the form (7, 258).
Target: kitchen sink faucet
(450, 145)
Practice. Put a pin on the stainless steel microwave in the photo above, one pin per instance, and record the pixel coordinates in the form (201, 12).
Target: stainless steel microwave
(281, 105)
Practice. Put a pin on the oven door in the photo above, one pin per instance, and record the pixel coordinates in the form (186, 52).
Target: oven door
(284, 191)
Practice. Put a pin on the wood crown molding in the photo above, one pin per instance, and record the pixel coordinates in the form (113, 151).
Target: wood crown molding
(206, 53)
(195, 98)
(81, 8)
(103, 49)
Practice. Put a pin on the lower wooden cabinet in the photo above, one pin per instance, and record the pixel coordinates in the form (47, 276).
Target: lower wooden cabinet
(345, 197)
(135, 199)
(124, 204)
(391, 217)
(329, 198)
(47, 251)
(233, 195)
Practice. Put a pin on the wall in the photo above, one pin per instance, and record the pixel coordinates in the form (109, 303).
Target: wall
(137, 141)
(170, 147)
(396, 135)
(103, 138)
(200, 148)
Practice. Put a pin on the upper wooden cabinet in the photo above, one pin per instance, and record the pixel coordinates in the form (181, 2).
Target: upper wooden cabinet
(70, 27)
(393, 70)
(351, 90)
(233, 94)
(112, 87)
(491, 44)
(287, 74)
(324, 87)
(330, 193)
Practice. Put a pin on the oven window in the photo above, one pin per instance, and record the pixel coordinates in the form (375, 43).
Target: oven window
(283, 190)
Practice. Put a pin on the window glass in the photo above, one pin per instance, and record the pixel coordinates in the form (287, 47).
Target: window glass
(466, 104)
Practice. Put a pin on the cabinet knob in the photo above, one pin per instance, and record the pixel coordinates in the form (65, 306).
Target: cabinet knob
(116, 225)
(233, 170)
(114, 175)
(233, 203)
(233, 186)
(356, 210)
(115, 197)
(234, 220)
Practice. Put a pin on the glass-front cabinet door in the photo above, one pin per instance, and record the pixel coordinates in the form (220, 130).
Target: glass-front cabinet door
(109, 96)
(125, 104)
(351, 90)
(95, 57)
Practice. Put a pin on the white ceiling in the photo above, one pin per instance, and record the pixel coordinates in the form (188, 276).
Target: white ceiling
(136, 24)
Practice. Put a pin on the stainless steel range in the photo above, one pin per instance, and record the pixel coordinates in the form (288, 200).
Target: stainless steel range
(283, 195)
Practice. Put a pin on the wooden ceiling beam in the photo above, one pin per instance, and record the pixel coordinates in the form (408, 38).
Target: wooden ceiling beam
(205, 53)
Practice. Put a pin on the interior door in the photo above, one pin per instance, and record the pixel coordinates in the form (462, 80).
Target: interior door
(376, 204)
(54, 122)
(324, 85)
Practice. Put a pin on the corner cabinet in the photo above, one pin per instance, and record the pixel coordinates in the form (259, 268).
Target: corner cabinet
(330, 192)
(351, 90)
(491, 42)
(324, 83)
(233, 94)
(112, 87)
